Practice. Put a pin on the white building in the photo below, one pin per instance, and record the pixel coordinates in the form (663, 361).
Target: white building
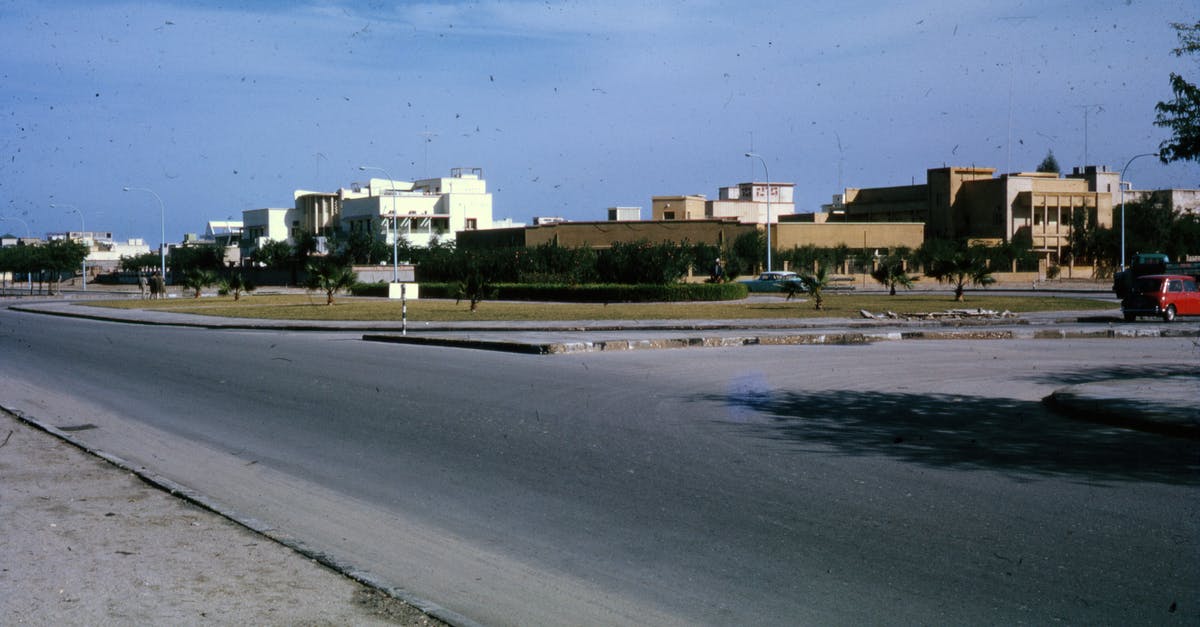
(748, 202)
(423, 210)
(624, 214)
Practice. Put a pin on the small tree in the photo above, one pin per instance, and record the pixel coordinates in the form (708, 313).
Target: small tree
(891, 272)
(330, 276)
(236, 283)
(959, 267)
(197, 279)
(814, 285)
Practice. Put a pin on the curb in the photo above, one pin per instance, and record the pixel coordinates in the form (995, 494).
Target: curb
(180, 491)
(1139, 415)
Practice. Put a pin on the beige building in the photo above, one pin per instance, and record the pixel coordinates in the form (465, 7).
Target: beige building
(748, 203)
(423, 210)
(972, 203)
(677, 207)
(752, 203)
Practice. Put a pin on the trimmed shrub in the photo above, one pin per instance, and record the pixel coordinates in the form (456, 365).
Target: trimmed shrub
(600, 293)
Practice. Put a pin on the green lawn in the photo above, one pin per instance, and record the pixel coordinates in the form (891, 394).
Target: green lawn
(312, 307)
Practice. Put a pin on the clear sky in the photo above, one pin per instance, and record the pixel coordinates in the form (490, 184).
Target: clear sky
(569, 107)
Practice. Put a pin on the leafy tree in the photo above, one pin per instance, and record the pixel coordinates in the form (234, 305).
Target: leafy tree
(236, 283)
(140, 263)
(329, 275)
(60, 257)
(273, 254)
(892, 272)
(957, 264)
(197, 279)
(362, 248)
(1049, 164)
(202, 257)
(746, 254)
(306, 245)
(1182, 114)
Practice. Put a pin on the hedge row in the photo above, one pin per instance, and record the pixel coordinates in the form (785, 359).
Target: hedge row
(605, 293)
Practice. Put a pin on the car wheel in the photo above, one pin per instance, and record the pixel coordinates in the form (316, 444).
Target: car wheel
(1169, 314)
(1129, 317)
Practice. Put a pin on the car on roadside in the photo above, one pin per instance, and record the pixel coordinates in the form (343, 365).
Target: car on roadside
(1163, 295)
(774, 281)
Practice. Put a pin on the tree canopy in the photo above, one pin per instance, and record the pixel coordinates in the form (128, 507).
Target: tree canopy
(1049, 164)
(1182, 113)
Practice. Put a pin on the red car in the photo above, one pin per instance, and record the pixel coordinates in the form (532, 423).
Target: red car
(1162, 295)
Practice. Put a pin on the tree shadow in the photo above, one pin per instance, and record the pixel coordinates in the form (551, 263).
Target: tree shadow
(1107, 372)
(1020, 438)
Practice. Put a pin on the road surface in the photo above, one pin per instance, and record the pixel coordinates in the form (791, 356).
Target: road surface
(899, 482)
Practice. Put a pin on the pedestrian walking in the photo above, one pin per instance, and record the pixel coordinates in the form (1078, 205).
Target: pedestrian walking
(142, 285)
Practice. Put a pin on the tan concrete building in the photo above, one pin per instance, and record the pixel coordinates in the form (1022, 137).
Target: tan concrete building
(605, 234)
(972, 203)
(677, 207)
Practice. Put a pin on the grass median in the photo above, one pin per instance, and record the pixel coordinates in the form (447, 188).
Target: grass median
(312, 307)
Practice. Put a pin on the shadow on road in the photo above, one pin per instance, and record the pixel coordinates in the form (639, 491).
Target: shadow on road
(1110, 372)
(961, 432)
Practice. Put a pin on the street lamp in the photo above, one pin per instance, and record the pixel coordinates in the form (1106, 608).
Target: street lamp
(395, 226)
(162, 221)
(82, 230)
(754, 155)
(1121, 183)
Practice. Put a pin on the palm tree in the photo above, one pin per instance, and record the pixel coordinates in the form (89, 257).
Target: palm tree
(814, 284)
(891, 272)
(960, 267)
(237, 283)
(198, 279)
(329, 276)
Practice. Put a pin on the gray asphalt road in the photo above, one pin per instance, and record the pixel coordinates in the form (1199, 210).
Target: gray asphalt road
(901, 482)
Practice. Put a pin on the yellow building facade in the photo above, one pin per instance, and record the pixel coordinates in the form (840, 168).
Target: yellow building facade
(973, 203)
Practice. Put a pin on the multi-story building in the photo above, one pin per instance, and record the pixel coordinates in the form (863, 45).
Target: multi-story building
(748, 203)
(972, 203)
(422, 210)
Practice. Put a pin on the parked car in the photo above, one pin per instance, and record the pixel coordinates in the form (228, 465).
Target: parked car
(774, 281)
(1163, 295)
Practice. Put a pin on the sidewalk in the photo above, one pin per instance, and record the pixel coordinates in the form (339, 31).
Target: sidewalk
(85, 541)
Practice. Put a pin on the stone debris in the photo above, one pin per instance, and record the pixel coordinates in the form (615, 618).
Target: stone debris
(950, 314)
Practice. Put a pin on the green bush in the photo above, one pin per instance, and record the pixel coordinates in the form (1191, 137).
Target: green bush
(369, 289)
(599, 293)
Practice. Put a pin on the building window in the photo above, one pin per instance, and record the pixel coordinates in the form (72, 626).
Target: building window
(668, 215)
(472, 224)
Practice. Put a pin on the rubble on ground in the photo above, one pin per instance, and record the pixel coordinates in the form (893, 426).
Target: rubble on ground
(949, 314)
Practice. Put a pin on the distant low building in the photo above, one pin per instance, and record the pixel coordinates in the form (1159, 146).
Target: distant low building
(972, 203)
(748, 203)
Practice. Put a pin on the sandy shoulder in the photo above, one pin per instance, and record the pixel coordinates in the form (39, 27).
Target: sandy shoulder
(84, 542)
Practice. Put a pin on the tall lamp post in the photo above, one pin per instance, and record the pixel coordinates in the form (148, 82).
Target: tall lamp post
(162, 222)
(754, 155)
(395, 226)
(1121, 183)
(82, 230)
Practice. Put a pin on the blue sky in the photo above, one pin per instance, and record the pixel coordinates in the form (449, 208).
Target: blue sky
(569, 107)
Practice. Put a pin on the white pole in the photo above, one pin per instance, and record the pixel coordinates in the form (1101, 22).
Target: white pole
(1121, 183)
(768, 175)
(162, 222)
